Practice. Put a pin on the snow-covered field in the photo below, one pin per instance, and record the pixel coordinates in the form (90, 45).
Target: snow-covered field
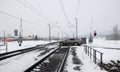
(21, 62)
(109, 48)
(15, 46)
(109, 53)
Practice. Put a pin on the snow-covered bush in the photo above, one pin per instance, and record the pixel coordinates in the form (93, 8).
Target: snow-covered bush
(113, 66)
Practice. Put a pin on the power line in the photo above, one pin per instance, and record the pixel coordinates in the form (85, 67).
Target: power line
(68, 22)
(64, 10)
(9, 15)
(29, 6)
(15, 17)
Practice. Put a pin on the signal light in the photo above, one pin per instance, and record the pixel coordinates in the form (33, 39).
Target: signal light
(95, 33)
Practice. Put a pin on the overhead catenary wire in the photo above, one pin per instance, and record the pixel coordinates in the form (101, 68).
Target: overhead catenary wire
(68, 22)
(64, 11)
(15, 17)
(36, 10)
(9, 15)
(28, 7)
(32, 8)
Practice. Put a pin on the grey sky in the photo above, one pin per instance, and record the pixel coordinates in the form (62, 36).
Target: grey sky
(103, 13)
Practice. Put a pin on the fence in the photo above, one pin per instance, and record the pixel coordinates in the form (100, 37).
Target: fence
(95, 55)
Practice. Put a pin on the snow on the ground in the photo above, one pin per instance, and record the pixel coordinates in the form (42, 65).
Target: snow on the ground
(69, 64)
(86, 66)
(108, 54)
(101, 42)
(98, 44)
(17, 63)
(21, 62)
(26, 44)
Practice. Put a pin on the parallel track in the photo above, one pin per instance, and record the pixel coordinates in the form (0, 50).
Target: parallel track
(21, 51)
(17, 52)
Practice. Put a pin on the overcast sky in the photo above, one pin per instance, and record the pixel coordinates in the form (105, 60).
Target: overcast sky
(104, 14)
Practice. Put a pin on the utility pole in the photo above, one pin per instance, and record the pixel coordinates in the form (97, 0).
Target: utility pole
(5, 42)
(76, 27)
(4, 38)
(58, 36)
(91, 32)
(49, 32)
(20, 40)
(21, 30)
(73, 35)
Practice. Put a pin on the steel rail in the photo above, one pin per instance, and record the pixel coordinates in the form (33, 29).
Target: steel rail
(21, 51)
(17, 52)
(60, 69)
(39, 62)
(53, 65)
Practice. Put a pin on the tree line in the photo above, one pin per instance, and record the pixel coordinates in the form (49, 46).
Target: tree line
(115, 34)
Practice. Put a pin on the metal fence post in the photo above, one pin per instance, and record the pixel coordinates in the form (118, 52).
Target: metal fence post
(90, 53)
(101, 60)
(94, 56)
(86, 49)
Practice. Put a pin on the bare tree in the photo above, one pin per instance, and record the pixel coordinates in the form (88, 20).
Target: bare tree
(115, 34)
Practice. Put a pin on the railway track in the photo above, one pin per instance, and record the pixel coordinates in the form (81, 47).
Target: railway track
(54, 62)
(21, 51)
(17, 52)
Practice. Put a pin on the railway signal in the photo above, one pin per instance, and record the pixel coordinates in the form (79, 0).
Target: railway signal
(95, 33)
